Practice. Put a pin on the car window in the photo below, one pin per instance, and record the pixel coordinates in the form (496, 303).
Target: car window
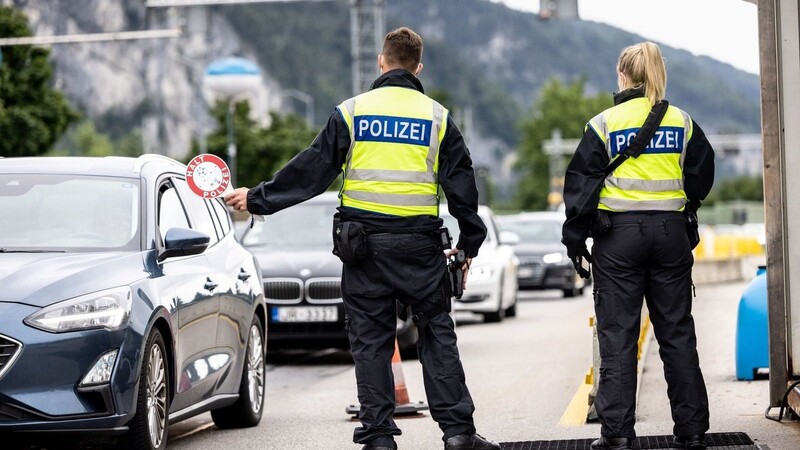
(222, 214)
(533, 230)
(170, 211)
(304, 225)
(67, 212)
(199, 213)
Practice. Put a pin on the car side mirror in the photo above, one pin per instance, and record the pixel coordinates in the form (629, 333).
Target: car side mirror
(508, 238)
(183, 242)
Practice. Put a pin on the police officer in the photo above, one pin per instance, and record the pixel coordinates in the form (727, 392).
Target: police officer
(646, 253)
(396, 147)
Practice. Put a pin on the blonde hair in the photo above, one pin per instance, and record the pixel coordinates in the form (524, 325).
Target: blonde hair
(643, 66)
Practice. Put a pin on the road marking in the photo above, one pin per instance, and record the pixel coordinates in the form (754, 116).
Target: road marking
(578, 408)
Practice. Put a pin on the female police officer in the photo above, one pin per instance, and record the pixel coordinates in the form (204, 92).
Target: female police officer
(644, 251)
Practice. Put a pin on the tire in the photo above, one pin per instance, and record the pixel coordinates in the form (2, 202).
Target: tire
(148, 428)
(571, 292)
(511, 311)
(248, 409)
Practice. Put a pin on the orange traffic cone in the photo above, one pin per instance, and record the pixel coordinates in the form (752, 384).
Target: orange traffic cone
(403, 406)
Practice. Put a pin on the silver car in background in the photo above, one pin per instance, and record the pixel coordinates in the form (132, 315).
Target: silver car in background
(492, 281)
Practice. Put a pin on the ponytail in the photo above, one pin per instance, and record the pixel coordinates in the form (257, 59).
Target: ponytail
(644, 67)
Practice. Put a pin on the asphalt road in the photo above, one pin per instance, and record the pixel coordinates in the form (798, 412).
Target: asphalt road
(522, 374)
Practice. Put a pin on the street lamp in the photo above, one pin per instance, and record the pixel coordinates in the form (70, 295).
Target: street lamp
(306, 99)
(231, 78)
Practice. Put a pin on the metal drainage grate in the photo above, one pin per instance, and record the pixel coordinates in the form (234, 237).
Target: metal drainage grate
(714, 441)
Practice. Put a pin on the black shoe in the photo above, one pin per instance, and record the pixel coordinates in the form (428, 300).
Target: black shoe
(378, 447)
(694, 442)
(470, 441)
(611, 443)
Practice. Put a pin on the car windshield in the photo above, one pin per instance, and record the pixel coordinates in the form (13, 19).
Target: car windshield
(534, 230)
(68, 213)
(307, 225)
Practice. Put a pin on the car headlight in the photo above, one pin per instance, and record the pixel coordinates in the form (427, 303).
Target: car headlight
(105, 309)
(552, 258)
(481, 273)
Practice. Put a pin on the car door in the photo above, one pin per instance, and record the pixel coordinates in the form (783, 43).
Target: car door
(236, 311)
(195, 305)
(231, 269)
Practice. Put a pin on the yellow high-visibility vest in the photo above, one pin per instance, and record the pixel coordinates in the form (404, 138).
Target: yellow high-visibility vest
(393, 162)
(654, 180)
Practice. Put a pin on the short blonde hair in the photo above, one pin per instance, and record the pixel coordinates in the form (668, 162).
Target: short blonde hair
(643, 66)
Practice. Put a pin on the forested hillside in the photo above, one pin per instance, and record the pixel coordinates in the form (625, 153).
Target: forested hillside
(486, 57)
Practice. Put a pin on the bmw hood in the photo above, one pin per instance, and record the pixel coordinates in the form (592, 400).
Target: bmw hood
(41, 279)
(299, 263)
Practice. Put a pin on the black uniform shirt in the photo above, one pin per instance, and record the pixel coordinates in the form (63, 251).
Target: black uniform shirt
(311, 171)
(585, 174)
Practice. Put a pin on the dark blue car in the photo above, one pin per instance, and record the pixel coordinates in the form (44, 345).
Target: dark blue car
(126, 303)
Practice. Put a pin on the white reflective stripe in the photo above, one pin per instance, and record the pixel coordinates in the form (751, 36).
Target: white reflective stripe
(433, 148)
(394, 199)
(687, 126)
(644, 185)
(350, 106)
(616, 204)
(405, 176)
(601, 127)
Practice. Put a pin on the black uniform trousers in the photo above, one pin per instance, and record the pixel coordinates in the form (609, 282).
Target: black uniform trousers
(410, 268)
(646, 255)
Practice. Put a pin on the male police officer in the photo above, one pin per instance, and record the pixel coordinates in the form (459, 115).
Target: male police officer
(396, 147)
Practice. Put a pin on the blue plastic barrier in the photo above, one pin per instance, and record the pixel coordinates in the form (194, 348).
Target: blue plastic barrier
(752, 336)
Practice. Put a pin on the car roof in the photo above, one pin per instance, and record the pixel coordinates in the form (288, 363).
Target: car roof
(325, 197)
(87, 165)
(482, 210)
(533, 216)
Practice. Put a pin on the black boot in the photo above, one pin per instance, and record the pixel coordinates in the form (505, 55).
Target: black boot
(470, 442)
(611, 443)
(385, 445)
(694, 442)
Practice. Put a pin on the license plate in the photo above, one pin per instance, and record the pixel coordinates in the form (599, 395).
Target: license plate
(525, 272)
(305, 314)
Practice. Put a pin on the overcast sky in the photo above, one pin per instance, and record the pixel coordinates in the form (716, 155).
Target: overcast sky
(726, 30)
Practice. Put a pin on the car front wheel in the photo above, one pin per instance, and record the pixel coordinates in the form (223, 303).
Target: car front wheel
(247, 410)
(148, 428)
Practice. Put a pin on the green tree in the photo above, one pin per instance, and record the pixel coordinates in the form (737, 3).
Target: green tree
(32, 114)
(260, 151)
(83, 140)
(737, 188)
(559, 106)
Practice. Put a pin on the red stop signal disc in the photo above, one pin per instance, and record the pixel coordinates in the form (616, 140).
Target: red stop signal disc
(208, 176)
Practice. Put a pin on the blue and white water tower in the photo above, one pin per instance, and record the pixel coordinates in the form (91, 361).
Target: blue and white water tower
(231, 78)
